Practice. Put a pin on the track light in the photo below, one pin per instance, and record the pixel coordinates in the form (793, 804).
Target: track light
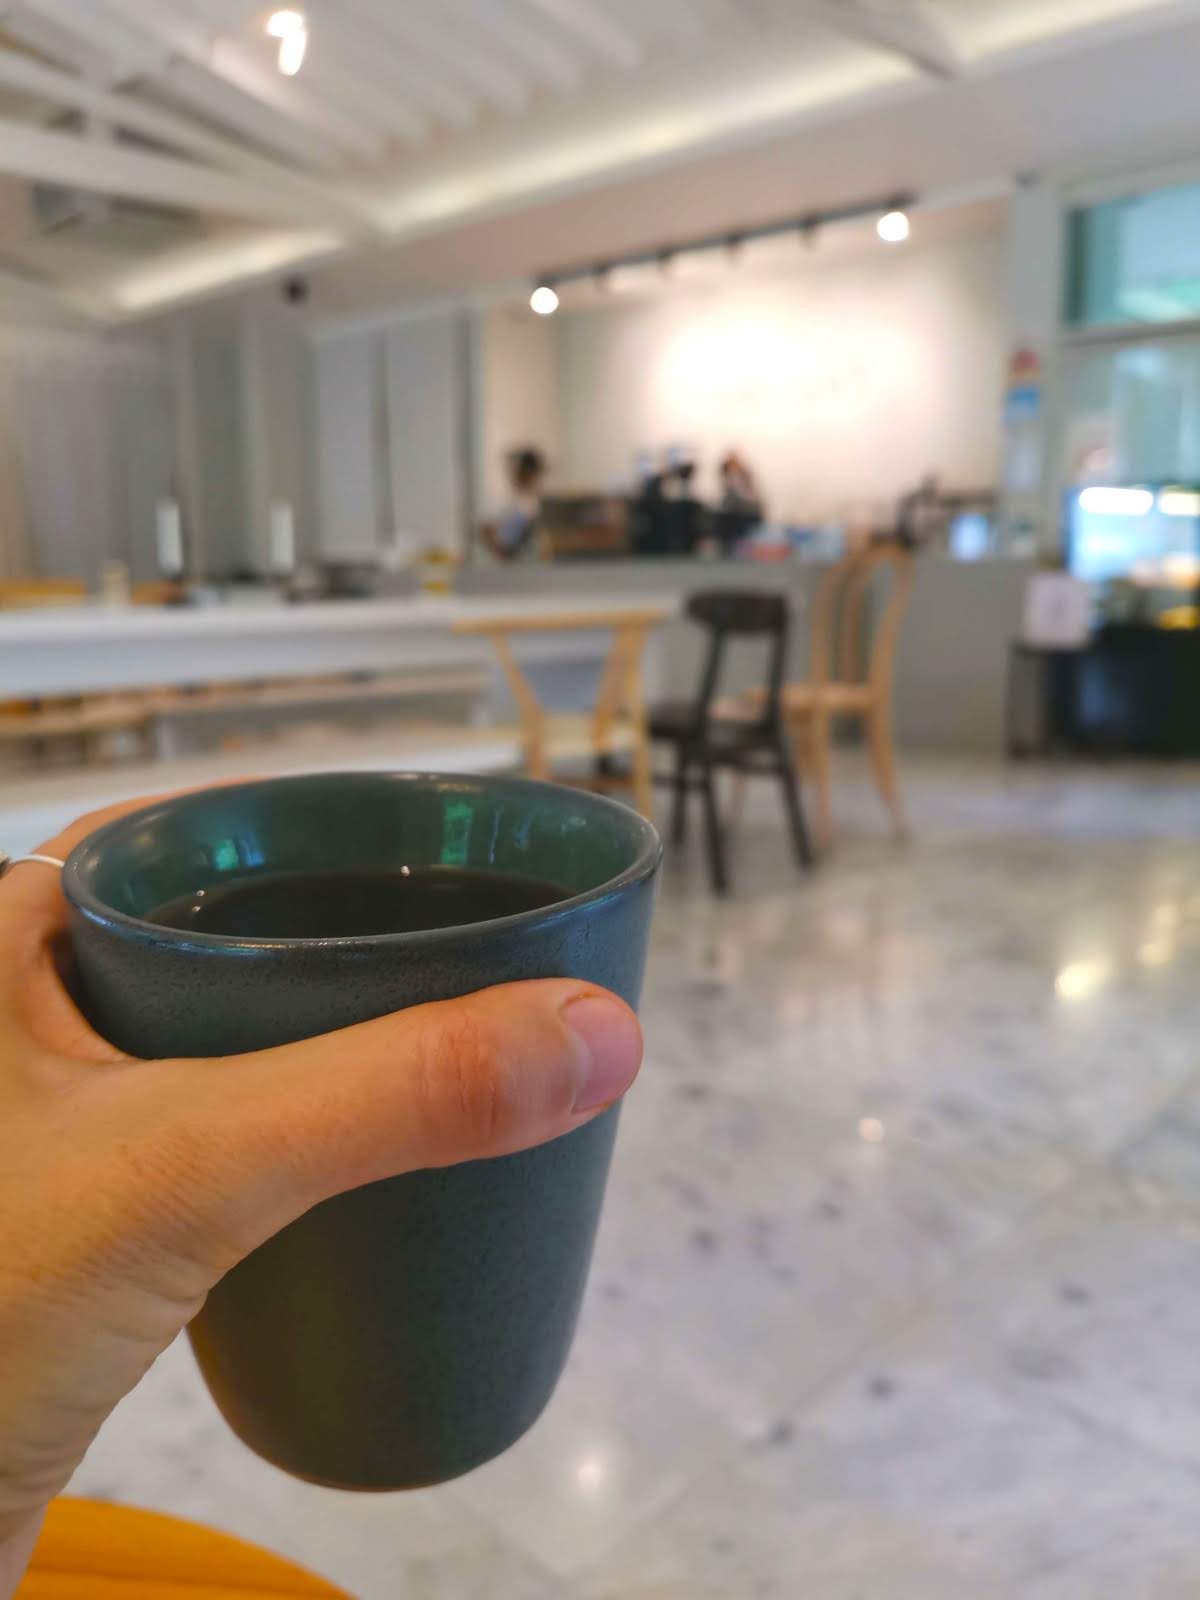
(281, 23)
(889, 212)
(291, 52)
(290, 28)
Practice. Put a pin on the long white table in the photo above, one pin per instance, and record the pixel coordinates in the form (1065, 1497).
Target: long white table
(84, 649)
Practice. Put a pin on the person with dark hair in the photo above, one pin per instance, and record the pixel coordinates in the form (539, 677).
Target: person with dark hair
(740, 507)
(511, 534)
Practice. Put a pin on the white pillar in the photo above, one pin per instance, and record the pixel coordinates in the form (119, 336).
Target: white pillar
(1034, 283)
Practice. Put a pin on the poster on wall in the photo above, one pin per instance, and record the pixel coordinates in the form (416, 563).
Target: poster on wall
(1023, 403)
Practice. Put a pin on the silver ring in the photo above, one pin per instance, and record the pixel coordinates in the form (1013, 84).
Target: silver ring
(7, 863)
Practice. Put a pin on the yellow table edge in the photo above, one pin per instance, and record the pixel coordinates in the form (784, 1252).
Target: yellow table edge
(91, 1548)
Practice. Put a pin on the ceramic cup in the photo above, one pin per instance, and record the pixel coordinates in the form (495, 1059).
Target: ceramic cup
(407, 1331)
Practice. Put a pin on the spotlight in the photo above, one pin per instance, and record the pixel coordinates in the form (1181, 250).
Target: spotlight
(282, 23)
(290, 28)
(543, 300)
(291, 52)
(892, 227)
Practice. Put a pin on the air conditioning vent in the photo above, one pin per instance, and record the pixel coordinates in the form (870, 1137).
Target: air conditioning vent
(129, 227)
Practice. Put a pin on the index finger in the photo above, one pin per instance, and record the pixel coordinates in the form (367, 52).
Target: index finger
(33, 918)
(31, 891)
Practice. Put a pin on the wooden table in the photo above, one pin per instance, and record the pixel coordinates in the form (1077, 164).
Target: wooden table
(616, 722)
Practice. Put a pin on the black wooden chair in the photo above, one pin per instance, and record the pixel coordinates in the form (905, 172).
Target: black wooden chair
(753, 742)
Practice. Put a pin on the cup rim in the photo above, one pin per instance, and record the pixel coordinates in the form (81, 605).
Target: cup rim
(80, 863)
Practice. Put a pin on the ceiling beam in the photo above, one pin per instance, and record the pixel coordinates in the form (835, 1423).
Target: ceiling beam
(114, 39)
(49, 38)
(225, 58)
(320, 201)
(345, 70)
(904, 28)
(149, 41)
(450, 49)
(20, 291)
(40, 155)
(359, 52)
(678, 21)
(221, 101)
(587, 21)
(547, 59)
(353, 94)
(348, 66)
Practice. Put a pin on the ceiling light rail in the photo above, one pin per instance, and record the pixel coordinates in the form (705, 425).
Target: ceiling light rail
(807, 225)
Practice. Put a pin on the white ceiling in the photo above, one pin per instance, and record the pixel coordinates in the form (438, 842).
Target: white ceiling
(151, 152)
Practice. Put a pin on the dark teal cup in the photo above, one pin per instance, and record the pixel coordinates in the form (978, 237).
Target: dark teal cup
(405, 1332)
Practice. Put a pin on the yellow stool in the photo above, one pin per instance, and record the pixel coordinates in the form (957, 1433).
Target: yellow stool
(94, 1551)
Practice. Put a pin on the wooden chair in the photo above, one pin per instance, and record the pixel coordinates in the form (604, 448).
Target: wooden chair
(851, 678)
(87, 720)
(708, 738)
(616, 724)
(94, 1551)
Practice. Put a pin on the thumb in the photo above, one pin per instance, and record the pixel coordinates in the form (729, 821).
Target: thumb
(485, 1075)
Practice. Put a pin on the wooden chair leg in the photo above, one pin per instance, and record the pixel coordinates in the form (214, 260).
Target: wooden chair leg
(643, 775)
(712, 825)
(883, 765)
(813, 737)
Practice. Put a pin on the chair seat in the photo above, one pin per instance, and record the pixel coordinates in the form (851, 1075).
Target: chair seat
(671, 719)
(799, 697)
(731, 724)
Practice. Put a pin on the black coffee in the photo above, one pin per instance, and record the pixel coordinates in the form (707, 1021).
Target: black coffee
(338, 905)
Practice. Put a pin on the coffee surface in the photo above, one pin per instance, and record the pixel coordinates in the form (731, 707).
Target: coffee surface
(357, 903)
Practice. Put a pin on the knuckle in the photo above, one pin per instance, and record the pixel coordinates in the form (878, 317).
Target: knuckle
(465, 1080)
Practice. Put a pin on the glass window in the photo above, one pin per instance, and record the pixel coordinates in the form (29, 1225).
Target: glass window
(1136, 259)
(1131, 412)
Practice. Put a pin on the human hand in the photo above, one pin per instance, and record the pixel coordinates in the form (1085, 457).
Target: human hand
(128, 1188)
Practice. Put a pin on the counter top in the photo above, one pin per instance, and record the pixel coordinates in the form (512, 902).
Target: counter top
(74, 624)
(72, 650)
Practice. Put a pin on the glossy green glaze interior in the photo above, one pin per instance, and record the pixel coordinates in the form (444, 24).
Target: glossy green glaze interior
(580, 841)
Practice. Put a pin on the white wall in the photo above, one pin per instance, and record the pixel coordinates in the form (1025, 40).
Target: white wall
(347, 473)
(841, 384)
(280, 404)
(86, 448)
(517, 394)
(427, 449)
(393, 452)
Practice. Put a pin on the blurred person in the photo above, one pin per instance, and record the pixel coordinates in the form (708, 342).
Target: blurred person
(685, 518)
(740, 507)
(919, 513)
(511, 535)
(128, 1188)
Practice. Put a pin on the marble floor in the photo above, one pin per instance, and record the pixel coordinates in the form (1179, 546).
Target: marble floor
(897, 1295)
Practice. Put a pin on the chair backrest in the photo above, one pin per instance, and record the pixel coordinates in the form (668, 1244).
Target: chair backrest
(839, 652)
(744, 613)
